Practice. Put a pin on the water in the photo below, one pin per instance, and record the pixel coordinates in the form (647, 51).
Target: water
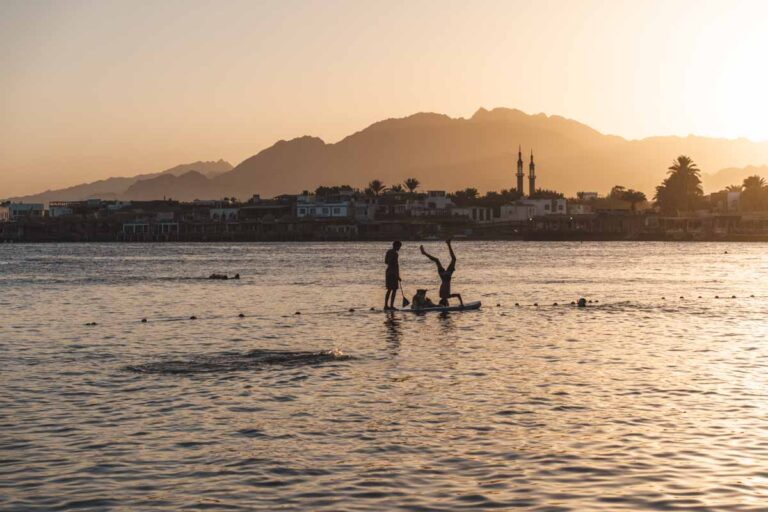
(633, 403)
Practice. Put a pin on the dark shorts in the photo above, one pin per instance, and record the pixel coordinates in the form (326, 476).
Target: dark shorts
(392, 282)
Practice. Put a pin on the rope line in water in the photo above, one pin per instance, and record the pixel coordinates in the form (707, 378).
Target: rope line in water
(367, 309)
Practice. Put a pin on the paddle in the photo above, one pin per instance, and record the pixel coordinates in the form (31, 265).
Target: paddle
(406, 302)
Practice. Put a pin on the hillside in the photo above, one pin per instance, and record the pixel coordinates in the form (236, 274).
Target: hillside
(444, 153)
(114, 188)
(481, 152)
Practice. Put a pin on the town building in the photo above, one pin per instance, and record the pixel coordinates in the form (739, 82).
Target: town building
(310, 206)
(480, 214)
(434, 203)
(17, 211)
(228, 214)
(516, 212)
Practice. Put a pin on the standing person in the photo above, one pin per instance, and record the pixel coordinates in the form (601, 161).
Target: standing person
(392, 275)
(445, 275)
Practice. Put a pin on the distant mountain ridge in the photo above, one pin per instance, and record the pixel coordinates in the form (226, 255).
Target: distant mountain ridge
(116, 188)
(732, 176)
(454, 153)
(447, 153)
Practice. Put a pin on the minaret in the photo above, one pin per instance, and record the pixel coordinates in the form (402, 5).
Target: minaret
(531, 177)
(520, 171)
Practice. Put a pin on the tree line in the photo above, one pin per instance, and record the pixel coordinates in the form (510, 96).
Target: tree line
(680, 191)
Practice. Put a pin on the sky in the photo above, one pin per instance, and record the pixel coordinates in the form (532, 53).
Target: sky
(96, 88)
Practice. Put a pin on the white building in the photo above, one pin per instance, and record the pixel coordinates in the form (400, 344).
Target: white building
(436, 202)
(733, 200)
(547, 206)
(516, 212)
(224, 214)
(25, 210)
(323, 210)
(59, 211)
(476, 213)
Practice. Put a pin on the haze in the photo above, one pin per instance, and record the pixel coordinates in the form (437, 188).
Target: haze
(91, 90)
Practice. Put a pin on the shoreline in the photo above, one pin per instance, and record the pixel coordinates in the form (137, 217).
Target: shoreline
(650, 239)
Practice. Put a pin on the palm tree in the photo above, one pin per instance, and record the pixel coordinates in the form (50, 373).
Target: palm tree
(754, 194)
(617, 191)
(377, 187)
(754, 182)
(733, 188)
(633, 197)
(411, 184)
(396, 188)
(681, 189)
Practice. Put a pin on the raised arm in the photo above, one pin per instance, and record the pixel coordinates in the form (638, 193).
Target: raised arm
(425, 253)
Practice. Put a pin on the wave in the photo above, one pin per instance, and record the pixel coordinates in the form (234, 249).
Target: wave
(229, 362)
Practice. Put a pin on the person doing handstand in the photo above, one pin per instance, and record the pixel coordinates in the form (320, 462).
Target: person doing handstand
(445, 275)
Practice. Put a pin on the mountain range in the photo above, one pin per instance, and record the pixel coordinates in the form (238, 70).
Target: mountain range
(127, 187)
(449, 154)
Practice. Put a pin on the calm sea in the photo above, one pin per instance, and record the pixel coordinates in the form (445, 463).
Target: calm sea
(651, 398)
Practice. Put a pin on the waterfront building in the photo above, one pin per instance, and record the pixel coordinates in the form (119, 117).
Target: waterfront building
(543, 207)
(224, 214)
(17, 211)
(519, 211)
(55, 210)
(319, 209)
(434, 203)
(480, 214)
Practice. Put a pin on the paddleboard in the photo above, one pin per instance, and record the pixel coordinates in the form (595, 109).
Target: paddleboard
(466, 307)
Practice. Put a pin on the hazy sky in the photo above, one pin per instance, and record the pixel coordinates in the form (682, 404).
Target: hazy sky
(91, 89)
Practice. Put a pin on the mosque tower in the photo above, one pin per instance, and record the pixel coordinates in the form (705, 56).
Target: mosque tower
(531, 176)
(520, 171)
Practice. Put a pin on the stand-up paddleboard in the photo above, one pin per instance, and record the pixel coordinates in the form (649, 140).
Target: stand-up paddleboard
(466, 307)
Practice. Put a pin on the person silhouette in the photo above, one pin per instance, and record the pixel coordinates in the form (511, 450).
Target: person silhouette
(446, 274)
(392, 275)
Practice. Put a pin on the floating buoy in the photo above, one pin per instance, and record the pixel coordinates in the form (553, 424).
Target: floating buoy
(733, 296)
(682, 297)
(590, 301)
(241, 315)
(554, 303)
(752, 296)
(699, 296)
(517, 304)
(536, 304)
(596, 301)
(663, 298)
(143, 320)
(297, 313)
(582, 303)
(498, 305)
(90, 324)
(373, 309)
(193, 317)
(717, 296)
(573, 303)
(351, 310)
